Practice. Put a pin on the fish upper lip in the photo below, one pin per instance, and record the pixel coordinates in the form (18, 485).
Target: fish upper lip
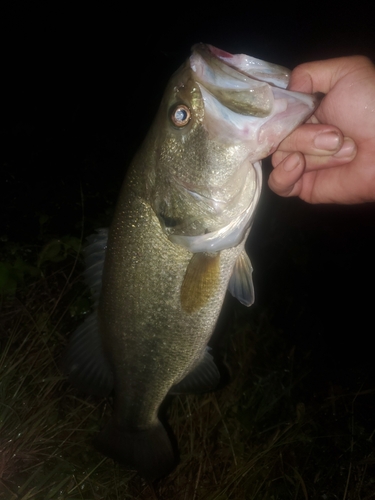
(242, 64)
(245, 97)
(231, 86)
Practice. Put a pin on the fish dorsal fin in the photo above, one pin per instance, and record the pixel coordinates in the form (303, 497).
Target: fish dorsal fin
(203, 377)
(85, 363)
(200, 282)
(241, 282)
(94, 256)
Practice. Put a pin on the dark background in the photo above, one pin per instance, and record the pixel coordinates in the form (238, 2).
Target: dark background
(81, 88)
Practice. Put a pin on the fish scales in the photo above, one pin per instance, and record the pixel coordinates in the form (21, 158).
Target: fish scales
(175, 339)
(176, 244)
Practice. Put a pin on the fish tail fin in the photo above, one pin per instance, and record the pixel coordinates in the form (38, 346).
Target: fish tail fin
(149, 451)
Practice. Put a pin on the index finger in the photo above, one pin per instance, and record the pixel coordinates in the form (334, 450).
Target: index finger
(313, 139)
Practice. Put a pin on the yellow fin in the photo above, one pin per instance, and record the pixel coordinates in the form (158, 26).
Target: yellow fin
(201, 281)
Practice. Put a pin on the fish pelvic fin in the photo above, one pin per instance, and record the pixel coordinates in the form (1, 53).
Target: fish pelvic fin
(200, 282)
(84, 361)
(241, 282)
(149, 451)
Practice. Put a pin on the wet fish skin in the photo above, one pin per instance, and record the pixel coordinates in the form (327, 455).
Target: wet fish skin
(175, 245)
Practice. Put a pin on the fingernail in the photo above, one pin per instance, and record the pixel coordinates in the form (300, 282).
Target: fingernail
(291, 162)
(347, 150)
(328, 141)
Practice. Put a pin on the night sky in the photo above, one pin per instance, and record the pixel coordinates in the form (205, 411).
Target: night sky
(81, 91)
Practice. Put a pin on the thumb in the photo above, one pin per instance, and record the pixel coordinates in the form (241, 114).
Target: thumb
(321, 76)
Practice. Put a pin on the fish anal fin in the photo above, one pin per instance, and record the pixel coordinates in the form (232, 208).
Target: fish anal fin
(204, 377)
(200, 282)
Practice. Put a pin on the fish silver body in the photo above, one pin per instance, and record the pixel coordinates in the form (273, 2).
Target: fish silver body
(176, 244)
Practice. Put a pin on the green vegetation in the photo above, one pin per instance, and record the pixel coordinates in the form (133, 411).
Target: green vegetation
(264, 436)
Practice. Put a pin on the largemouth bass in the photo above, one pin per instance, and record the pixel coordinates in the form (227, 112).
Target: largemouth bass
(176, 244)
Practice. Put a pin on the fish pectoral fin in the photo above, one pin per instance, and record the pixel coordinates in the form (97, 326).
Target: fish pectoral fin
(84, 362)
(203, 377)
(200, 282)
(241, 282)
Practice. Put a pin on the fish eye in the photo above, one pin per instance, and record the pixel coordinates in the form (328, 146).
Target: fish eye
(180, 115)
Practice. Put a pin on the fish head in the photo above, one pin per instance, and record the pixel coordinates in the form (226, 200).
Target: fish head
(219, 116)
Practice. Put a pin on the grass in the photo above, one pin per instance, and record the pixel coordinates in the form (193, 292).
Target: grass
(265, 435)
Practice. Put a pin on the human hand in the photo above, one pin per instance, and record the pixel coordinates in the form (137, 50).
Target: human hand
(331, 159)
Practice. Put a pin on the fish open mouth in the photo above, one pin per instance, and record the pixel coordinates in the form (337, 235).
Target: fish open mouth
(241, 110)
(246, 99)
